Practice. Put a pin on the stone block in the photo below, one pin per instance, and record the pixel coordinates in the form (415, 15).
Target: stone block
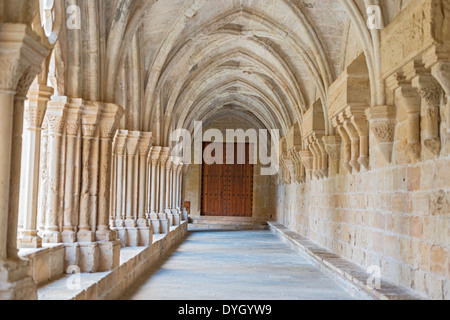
(109, 255)
(89, 257)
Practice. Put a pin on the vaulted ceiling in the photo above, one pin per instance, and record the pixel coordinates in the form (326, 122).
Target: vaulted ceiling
(173, 62)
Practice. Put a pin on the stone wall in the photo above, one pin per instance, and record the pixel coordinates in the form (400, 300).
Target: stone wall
(396, 218)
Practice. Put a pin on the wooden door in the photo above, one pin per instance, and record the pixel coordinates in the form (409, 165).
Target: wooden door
(227, 189)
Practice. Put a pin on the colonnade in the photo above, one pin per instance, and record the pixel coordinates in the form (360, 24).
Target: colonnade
(146, 188)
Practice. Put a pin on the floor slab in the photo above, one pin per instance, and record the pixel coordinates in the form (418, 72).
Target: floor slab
(235, 265)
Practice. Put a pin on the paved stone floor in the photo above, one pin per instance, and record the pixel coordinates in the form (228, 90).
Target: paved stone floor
(239, 265)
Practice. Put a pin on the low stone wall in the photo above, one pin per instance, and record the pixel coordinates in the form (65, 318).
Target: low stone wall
(395, 218)
(135, 262)
(46, 264)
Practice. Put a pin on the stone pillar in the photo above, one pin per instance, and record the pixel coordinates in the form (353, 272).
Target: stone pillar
(35, 109)
(43, 183)
(168, 204)
(70, 199)
(162, 191)
(109, 247)
(21, 55)
(131, 218)
(354, 138)
(90, 116)
(144, 228)
(56, 113)
(154, 157)
(175, 210)
(109, 120)
(120, 146)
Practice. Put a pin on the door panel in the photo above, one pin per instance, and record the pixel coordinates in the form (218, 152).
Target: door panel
(227, 189)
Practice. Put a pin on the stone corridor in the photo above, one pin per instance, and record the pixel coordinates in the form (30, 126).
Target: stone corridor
(235, 265)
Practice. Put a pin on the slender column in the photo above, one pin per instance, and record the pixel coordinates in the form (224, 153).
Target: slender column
(162, 183)
(72, 130)
(144, 149)
(108, 123)
(163, 216)
(35, 109)
(132, 144)
(120, 142)
(89, 120)
(154, 156)
(43, 183)
(167, 204)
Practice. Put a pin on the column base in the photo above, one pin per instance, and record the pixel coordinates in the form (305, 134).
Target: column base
(176, 217)
(132, 237)
(71, 256)
(89, 257)
(29, 240)
(105, 234)
(145, 237)
(109, 255)
(69, 236)
(122, 234)
(156, 224)
(164, 223)
(85, 236)
(15, 283)
(51, 236)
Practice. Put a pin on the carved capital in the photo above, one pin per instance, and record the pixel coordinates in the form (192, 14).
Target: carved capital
(90, 116)
(145, 143)
(120, 142)
(21, 56)
(333, 147)
(109, 119)
(56, 114)
(132, 142)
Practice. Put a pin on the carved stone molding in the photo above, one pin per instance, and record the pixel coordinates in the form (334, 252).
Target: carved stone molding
(90, 117)
(333, 149)
(145, 143)
(132, 142)
(307, 160)
(120, 142)
(56, 114)
(382, 121)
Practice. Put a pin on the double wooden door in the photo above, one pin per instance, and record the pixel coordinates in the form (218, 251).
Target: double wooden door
(227, 189)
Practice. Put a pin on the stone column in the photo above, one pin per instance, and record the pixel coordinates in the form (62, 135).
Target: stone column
(307, 160)
(144, 228)
(21, 55)
(131, 219)
(154, 157)
(162, 191)
(72, 133)
(43, 183)
(35, 109)
(109, 247)
(90, 116)
(168, 204)
(109, 120)
(56, 114)
(174, 195)
(354, 138)
(120, 141)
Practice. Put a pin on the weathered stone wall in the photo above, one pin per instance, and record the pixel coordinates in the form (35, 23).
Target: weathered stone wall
(396, 218)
